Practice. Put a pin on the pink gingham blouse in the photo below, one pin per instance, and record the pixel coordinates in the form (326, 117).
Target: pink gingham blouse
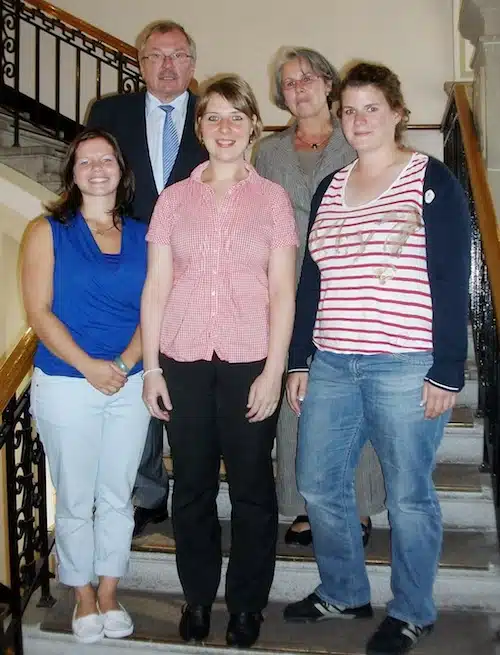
(219, 301)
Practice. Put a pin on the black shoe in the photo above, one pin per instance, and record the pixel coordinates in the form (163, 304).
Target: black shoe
(195, 622)
(395, 637)
(243, 629)
(143, 516)
(366, 531)
(294, 538)
(313, 609)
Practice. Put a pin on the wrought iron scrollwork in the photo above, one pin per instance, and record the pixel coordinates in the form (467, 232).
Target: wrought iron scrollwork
(482, 313)
(29, 540)
(55, 117)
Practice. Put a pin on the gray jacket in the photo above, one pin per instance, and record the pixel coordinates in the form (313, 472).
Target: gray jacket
(277, 160)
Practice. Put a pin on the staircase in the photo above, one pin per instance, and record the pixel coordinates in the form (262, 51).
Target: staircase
(467, 589)
(38, 155)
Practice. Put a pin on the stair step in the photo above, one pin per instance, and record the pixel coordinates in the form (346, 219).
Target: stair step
(462, 416)
(461, 549)
(32, 160)
(448, 476)
(156, 618)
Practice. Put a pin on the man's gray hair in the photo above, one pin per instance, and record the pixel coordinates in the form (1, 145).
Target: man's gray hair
(319, 65)
(163, 27)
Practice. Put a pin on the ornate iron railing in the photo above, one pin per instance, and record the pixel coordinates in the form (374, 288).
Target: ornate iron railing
(25, 487)
(462, 154)
(53, 65)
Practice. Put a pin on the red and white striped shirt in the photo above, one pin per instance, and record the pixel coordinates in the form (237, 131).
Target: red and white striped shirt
(375, 295)
(219, 299)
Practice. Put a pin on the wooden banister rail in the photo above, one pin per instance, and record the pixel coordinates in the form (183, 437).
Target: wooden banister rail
(415, 126)
(83, 26)
(16, 367)
(483, 200)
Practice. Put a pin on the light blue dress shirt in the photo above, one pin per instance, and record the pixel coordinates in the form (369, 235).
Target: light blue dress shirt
(155, 119)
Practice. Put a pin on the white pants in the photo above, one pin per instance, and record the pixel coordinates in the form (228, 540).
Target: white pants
(94, 444)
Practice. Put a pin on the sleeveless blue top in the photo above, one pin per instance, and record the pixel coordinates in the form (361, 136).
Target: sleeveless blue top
(96, 295)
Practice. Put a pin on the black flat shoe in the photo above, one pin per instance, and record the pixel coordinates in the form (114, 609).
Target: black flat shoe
(243, 629)
(366, 531)
(195, 622)
(143, 516)
(294, 538)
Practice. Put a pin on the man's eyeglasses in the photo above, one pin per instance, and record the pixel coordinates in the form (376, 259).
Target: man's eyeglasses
(305, 80)
(158, 58)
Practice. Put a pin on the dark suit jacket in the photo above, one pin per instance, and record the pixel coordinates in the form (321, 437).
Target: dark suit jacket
(124, 116)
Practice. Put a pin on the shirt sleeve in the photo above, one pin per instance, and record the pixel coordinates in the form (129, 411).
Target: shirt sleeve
(308, 294)
(448, 242)
(284, 227)
(162, 220)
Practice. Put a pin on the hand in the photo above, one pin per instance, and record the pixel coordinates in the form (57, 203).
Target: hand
(104, 376)
(296, 388)
(154, 389)
(263, 397)
(437, 401)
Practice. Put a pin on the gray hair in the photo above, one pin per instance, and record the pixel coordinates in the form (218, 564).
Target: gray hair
(319, 65)
(163, 27)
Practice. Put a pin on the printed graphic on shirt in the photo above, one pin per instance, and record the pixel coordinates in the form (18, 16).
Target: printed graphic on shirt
(375, 295)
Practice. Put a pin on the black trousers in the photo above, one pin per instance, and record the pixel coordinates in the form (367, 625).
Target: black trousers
(208, 420)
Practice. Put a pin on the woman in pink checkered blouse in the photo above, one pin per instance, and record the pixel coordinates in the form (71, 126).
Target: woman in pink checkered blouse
(218, 306)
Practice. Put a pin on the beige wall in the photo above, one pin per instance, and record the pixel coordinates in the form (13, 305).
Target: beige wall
(21, 200)
(415, 37)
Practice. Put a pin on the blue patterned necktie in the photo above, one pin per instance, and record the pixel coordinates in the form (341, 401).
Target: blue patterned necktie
(170, 143)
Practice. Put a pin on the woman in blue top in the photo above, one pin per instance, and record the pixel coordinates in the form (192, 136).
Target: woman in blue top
(82, 275)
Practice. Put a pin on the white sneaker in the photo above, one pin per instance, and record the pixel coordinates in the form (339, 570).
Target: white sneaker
(87, 629)
(117, 623)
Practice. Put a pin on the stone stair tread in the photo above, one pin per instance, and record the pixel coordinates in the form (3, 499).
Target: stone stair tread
(457, 477)
(47, 150)
(462, 416)
(462, 549)
(156, 617)
(447, 477)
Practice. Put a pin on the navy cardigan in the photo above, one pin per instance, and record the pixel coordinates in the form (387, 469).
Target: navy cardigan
(447, 235)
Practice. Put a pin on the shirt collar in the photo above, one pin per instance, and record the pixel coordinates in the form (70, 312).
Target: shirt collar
(179, 103)
(252, 177)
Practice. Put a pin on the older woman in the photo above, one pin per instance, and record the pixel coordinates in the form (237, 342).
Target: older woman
(388, 255)
(306, 84)
(218, 305)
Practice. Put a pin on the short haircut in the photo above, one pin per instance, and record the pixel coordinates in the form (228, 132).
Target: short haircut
(319, 65)
(164, 27)
(238, 93)
(67, 206)
(384, 79)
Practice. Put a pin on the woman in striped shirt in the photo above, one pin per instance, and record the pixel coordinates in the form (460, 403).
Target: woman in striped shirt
(382, 304)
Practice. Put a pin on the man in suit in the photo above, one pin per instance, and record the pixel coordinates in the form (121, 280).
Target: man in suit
(155, 130)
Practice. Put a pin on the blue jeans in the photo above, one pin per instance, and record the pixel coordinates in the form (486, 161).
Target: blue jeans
(351, 398)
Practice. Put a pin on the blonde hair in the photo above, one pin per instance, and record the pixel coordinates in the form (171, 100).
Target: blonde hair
(164, 27)
(238, 93)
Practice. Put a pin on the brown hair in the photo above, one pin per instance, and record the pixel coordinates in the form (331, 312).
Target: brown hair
(381, 77)
(164, 27)
(70, 202)
(238, 93)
